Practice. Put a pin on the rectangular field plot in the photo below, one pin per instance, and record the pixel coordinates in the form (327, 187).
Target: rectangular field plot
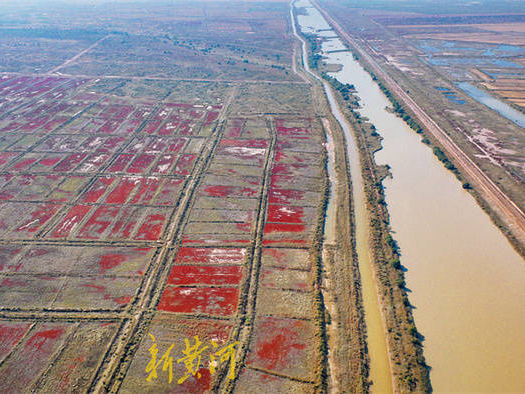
(284, 232)
(232, 181)
(218, 215)
(112, 222)
(284, 346)
(200, 300)
(286, 258)
(19, 291)
(219, 228)
(252, 380)
(28, 187)
(216, 239)
(35, 354)
(68, 189)
(229, 191)
(299, 170)
(287, 193)
(205, 275)
(10, 333)
(96, 293)
(291, 214)
(23, 220)
(241, 204)
(75, 260)
(285, 303)
(236, 170)
(211, 255)
(296, 183)
(280, 278)
(168, 330)
(79, 359)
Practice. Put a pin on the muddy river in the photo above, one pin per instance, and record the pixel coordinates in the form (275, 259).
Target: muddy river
(466, 282)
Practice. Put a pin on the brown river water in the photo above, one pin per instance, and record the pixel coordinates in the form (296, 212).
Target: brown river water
(466, 282)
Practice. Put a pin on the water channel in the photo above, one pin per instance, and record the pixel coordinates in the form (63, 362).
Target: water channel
(377, 348)
(485, 98)
(466, 282)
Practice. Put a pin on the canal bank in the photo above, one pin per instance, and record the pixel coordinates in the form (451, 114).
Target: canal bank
(379, 364)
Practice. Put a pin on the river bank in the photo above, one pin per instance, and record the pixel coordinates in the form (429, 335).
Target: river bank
(407, 378)
(464, 279)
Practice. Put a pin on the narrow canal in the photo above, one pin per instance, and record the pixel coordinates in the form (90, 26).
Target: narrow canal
(376, 340)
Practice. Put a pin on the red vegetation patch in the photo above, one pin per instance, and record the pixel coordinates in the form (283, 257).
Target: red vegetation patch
(184, 164)
(49, 161)
(6, 156)
(98, 222)
(24, 164)
(293, 132)
(285, 214)
(19, 372)
(279, 227)
(121, 192)
(73, 217)
(176, 145)
(141, 164)
(151, 127)
(110, 260)
(39, 339)
(229, 191)
(109, 127)
(70, 162)
(164, 164)
(210, 255)
(151, 228)
(278, 343)
(196, 385)
(106, 292)
(147, 189)
(125, 224)
(286, 169)
(10, 334)
(276, 181)
(244, 143)
(212, 301)
(7, 253)
(40, 215)
(121, 163)
(93, 162)
(211, 117)
(97, 189)
(110, 144)
(12, 282)
(205, 275)
(284, 196)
